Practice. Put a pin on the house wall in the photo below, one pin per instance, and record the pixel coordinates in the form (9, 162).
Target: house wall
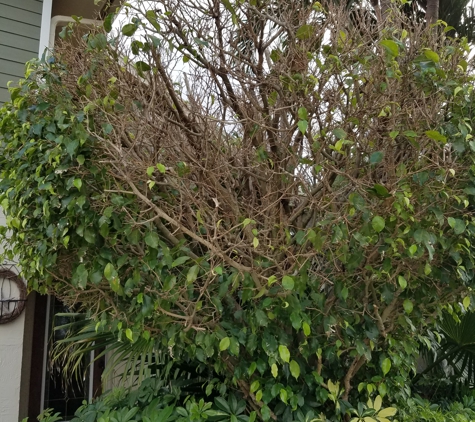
(11, 348)
(20, 22)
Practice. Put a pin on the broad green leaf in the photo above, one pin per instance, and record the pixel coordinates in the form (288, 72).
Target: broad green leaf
(466, 302)
(408, 306)
(391, 47)
(386, 366)
(436, 136)
(378, 223)
(109, 272)
(288, 283)
(77, 183)
(457, 224)
(302, 113)
(339, 133)
(302, 125)
(402, 282)
(129, 334)
(376, 157)
(129, 29)
(179, 261)
(306, 329)
(284, 353)
(142, 66)
(432, 55)
(192, 274)
(274, 370)
(294, 369)
(224, 344)
(381, 190)
(151, 239)
(108, 22)
(305, 32)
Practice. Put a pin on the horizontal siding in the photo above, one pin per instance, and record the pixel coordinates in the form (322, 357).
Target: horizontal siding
(20, 15)
(30, 5)
(12, 68)
(14, 27)
(4, 95)
(20, 23)
(15, 55)
(4, 79)
(13, 40)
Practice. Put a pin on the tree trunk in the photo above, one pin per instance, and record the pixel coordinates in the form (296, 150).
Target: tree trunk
(432, 11)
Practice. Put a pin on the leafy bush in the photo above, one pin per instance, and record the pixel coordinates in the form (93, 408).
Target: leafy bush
(290, 215)
(417, 409)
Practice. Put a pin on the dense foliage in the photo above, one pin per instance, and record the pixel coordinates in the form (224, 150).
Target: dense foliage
(286, 210)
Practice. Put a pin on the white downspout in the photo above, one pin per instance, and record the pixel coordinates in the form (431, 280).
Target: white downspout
(63, 20)
(45, 26)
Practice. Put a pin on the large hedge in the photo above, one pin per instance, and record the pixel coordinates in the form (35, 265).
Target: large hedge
(267, 191)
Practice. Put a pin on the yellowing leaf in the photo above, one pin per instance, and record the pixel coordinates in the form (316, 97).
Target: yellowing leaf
(389, 411)
(378, 401)
(274, 370)
(284, 353)
(224, 343)
(294, 369)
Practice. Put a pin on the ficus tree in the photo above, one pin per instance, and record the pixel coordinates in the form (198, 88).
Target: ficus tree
(260, 188)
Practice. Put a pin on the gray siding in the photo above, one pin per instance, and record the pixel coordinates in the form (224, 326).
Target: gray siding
(20, 22)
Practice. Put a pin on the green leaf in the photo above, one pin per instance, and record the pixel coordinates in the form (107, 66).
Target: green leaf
(381, 191)
(129, 29)
(391, 47)
(466, 302)
(408, 306)
(386, 366)
(81, 275)
(274, 370)
(108, 22)
(457, 224)
(302, 125)
(179, 261)
(284, 353)
(255, 386)
(77, 183)
(288, 283)
(129, 334)
(376, 157)
(402, 282)
(412, 249)
(192, 274)
(152, 239)
(436, 136)
(306, 329)
(161, 168)
(302, 113)
(432, 55)
(294, 369)
(142, 66)
(339, 133)
(224, 344)
(109, 272)
(378, 223)
(305, 32)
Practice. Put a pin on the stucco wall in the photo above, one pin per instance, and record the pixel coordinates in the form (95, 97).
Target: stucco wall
(11, 351)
